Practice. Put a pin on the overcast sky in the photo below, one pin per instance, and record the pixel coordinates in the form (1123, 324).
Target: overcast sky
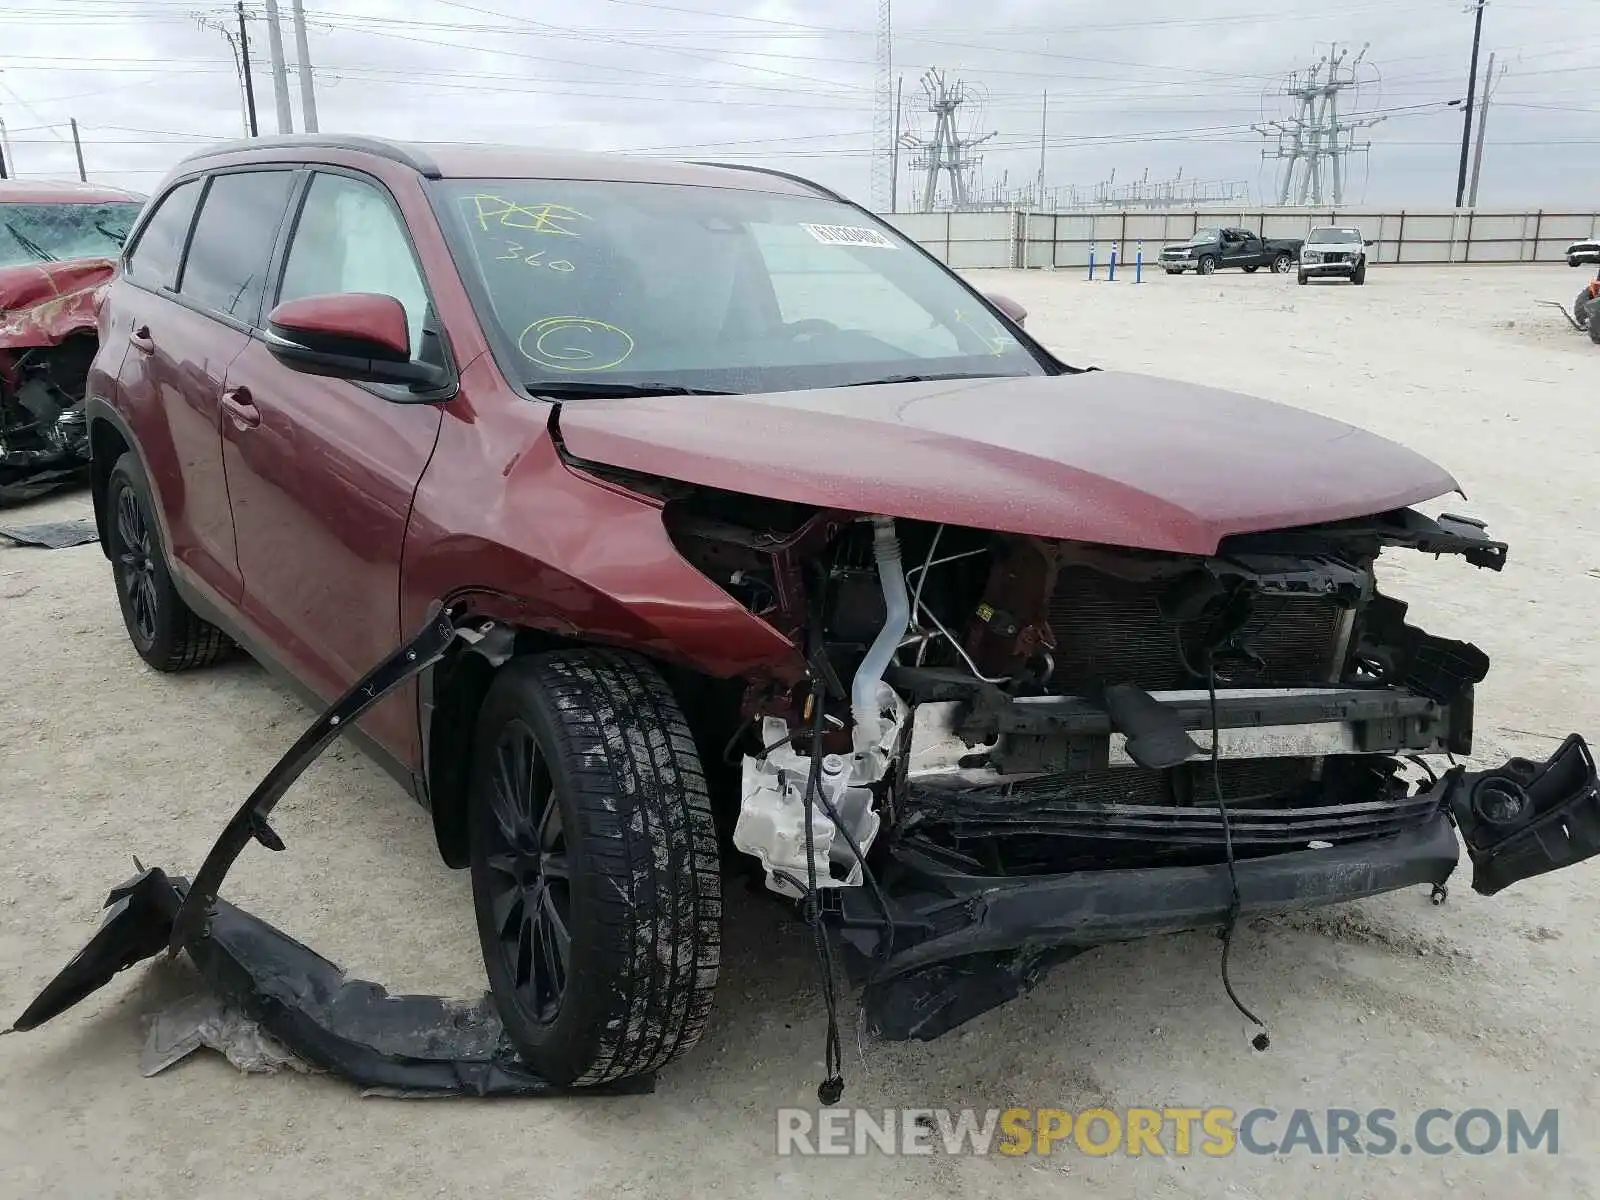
(1161, 86)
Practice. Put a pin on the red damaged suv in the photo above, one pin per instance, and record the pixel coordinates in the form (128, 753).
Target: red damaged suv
(798, 554)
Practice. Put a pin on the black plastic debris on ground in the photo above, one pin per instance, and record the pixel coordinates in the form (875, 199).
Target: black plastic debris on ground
(53, 535)
(412, 1046)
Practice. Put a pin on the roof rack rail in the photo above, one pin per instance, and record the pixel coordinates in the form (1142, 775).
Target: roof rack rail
(800, 179)
(393, 151)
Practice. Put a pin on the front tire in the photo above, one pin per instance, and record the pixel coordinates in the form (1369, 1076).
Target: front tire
(1359, 275)
(1207, 265)
(594, 866)
(1281, 264)
(1301, 278)
(163, 629)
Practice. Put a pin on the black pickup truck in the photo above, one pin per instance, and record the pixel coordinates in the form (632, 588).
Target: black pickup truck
(1213, 248)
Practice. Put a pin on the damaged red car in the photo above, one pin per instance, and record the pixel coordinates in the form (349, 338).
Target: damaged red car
(58, 248)
(785, 552)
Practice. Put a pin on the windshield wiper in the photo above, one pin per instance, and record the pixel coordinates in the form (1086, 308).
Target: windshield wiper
(930, 378)
(577, 389)
(119, 236)
(30, 245)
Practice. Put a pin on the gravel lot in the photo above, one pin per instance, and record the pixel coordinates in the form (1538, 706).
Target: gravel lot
(1388, 1003)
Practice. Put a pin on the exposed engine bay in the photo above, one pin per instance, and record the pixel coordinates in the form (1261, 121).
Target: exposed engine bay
(44, 435)
(1023, 706)
(48, 340)
(1027, 747)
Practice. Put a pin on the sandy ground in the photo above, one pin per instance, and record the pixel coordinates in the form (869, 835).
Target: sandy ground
(1387, 1003)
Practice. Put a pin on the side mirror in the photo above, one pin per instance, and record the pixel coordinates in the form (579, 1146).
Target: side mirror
(1017, 314)
(1369, 242)
(359, 336)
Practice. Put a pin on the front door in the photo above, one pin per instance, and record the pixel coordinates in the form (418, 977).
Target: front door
(321, 472)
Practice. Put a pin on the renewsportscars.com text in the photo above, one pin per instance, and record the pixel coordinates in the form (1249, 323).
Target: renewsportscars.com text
(1180, 1132)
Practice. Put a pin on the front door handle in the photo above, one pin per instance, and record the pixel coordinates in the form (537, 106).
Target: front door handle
(140, 339)
(241, 410)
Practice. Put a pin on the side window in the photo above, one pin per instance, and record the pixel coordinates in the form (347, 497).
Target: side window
(350, 239)
(154, 260)
(226, 270)
(812, 281)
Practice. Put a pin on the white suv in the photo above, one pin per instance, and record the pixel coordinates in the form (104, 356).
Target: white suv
(1337, 250)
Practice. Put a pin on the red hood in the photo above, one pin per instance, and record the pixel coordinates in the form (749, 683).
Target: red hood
(45, 303)
(1120, 459)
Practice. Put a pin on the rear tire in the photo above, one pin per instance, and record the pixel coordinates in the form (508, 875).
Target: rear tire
(1580, 310)
(163, 629)
(1594, 327)
(594, 866)
(1251, 270)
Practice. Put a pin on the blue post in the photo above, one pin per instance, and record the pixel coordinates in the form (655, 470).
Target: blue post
(1111, 271)
(1091, 260)
(1138, 261)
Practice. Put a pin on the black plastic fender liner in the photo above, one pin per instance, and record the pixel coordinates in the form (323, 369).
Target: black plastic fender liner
(414, 1046)
(250, 822)
(351, 1028)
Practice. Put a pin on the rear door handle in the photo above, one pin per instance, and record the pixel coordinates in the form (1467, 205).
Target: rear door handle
(140, 339)
(241, 410)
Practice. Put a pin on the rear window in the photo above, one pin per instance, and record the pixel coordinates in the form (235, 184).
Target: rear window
(154, 262)
(32, 233)
(226, 270)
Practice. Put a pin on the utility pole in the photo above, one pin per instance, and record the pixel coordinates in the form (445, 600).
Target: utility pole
(1044, 116)
(1483, 124)
(280, 77)
(894, 156)
(77, 148)
(1472, 87)
(244, 69)
(302, 53)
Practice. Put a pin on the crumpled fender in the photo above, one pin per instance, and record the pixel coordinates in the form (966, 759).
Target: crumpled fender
(43, 304)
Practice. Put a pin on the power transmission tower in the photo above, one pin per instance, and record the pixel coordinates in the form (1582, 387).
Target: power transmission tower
(1316, 136)
(948, 151)
(883, 118)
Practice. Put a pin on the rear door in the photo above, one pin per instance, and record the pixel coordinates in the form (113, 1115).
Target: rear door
(321, 471)
(196, 274)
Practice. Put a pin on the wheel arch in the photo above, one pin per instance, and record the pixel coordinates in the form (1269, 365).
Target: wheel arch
(109, 439)
(451, 695)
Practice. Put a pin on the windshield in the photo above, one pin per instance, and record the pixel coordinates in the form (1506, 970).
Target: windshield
(710, 288)
(1204, 237)
(1338, 237)
(55, 232)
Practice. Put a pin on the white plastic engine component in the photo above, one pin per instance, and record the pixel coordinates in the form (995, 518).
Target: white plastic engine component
(772, 815)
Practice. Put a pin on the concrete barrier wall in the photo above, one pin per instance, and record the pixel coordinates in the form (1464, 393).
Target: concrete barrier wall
(969, 240)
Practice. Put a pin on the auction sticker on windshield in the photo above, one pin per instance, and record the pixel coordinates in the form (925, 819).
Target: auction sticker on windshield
(849, 235)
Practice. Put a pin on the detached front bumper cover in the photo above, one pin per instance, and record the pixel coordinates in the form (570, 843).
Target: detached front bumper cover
(353, 1029)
